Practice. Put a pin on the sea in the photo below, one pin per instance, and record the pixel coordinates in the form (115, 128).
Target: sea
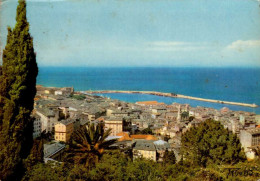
(226, 84)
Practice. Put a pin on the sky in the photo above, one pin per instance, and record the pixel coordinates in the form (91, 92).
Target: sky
(145, 33)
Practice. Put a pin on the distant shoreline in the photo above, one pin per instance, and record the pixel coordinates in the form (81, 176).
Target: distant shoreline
(172, 95)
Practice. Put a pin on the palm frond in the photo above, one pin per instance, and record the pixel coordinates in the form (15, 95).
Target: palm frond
(88, 143)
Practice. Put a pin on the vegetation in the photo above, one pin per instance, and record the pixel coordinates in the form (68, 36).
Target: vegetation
(191, 118)
(17, 91)
(147, 131)
(209, 151)
(169, 157)
(87, 144)
(185, 115)
(116, 166)
(210, 143)
(78, 97)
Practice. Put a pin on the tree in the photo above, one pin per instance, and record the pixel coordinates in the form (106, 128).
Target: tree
(36, 155)
(45, 172)
(169, 157)
(17, 91)
(87, 144)
(184, 115)
(210, 143)
(147, 131)
(191, 118)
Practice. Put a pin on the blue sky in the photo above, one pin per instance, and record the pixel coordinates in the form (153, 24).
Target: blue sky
(201, 33)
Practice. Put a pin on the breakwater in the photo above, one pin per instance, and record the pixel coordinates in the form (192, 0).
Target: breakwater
(172, 95)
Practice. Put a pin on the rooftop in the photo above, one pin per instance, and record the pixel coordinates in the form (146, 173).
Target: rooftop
(67, 121)
(254, 131)
(145, 145)
(46, 112)
(126, 136)
(53, 148)
(149, 103)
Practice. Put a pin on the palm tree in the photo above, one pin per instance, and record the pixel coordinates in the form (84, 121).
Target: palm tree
(87, 144)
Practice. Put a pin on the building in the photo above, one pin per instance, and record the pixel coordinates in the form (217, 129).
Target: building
(144, 149)
(125, 136)
(58, 92)
(159, 110)
(250, 139)
(257, 119)
(94, 113)
(53, 151)
(67, 90)
(48, 118)
(149, 103)
(49, 91)
(37, 126)
(109, 112)
(115, 124)
(161, 146)
(63, 130)
(121, 113)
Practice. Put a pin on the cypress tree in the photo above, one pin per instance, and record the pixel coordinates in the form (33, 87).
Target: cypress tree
(17, 91)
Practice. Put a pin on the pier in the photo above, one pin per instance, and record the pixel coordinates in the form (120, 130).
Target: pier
(171, 95)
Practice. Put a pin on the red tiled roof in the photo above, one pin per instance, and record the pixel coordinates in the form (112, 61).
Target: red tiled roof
(125, 137)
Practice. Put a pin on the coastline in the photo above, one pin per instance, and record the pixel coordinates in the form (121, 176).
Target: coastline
(172, 95)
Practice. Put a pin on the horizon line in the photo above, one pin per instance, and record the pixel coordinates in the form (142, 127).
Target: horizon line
(67, 66)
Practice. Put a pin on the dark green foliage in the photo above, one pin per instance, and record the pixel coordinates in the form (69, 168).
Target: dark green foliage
(142, 169)
(112, 166)
(17, 91)
(78, 97)
(191, 118)
(45, 172)
(169, 157)
(210, 143)
(87, 144)
(147, 131)
(209, 174)
(185, 115)
(36, 155)
(117, 166)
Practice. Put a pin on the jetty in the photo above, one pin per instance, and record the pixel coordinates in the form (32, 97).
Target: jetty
(171, 95)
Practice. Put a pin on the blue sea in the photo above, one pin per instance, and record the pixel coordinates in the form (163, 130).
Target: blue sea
(228, 84)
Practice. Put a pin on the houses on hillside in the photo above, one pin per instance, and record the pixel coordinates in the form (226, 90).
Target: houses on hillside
(60, 114)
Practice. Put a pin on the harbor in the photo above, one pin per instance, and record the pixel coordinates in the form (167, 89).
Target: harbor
(172, 95)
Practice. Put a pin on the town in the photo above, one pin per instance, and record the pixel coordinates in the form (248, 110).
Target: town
(147, 128)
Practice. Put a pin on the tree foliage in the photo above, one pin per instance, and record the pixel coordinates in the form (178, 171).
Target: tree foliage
(17, 91)
(117, 166)
(45, 172)
(87, 144)
(147, 131)
(211, 143)
(78, 97)
(185, 115)
(169, 157)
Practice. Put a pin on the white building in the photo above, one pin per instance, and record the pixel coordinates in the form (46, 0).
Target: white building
(250, 141)
(48, 119)
(58, 92)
